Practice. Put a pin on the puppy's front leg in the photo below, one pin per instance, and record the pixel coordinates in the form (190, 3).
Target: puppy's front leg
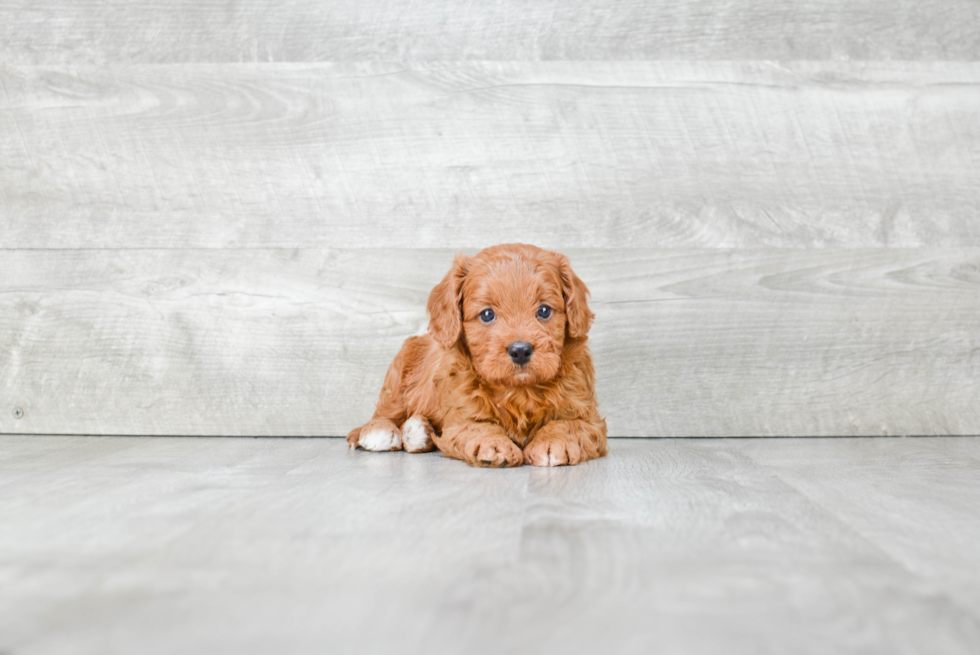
(567, 442)
(479, 444)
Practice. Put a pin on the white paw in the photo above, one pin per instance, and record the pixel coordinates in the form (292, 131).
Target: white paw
(380, 440)
(416, 435)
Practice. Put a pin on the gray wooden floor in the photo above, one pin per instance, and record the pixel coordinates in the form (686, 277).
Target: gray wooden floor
(236, 545)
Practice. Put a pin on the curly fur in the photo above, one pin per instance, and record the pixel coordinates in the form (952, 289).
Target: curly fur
(470, 398)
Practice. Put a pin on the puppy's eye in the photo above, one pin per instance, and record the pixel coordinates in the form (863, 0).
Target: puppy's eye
(487, 315)
(544, 312)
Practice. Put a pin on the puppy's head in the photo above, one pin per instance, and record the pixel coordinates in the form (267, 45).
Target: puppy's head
(513, 305)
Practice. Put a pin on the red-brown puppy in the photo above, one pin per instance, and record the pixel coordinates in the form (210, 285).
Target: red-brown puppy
(504, 375)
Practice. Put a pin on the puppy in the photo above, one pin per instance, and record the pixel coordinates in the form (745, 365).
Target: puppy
(504, 375)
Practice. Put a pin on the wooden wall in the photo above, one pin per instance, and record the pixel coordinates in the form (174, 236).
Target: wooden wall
(224, 218)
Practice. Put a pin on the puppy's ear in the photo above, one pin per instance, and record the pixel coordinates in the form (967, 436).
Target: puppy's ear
(576, 300)
(445, 305)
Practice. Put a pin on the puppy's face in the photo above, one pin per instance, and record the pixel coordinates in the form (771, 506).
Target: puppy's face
(514, 320)
(514, 305)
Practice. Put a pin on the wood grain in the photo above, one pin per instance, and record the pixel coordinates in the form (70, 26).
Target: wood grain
(925, 535)
(296, 342)
(462, 155)
(675, 546)
(124, 31)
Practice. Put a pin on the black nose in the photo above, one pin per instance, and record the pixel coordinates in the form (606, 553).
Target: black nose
(520, 352)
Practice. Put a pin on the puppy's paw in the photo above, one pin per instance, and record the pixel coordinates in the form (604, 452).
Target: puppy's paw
(381, 440)
(552, 451)
(493, 451)
(353, 437)
(378, 435)
(417, 435)
(479, 444)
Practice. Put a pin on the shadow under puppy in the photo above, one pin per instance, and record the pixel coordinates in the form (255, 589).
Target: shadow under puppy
(504, 375)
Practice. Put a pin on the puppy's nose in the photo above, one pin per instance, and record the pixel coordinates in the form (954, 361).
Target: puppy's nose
(520, 352)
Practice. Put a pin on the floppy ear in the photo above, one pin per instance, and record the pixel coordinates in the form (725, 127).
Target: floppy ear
(576, 300)
(445, 305)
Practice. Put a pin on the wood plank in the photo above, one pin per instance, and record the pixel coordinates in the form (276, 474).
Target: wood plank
(462, 155)
(55, 31)
(675, 546)
(296, 342)
(685, 545)
(900, 513)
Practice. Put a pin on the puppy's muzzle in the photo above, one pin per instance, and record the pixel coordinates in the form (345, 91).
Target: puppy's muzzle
(520, 352)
